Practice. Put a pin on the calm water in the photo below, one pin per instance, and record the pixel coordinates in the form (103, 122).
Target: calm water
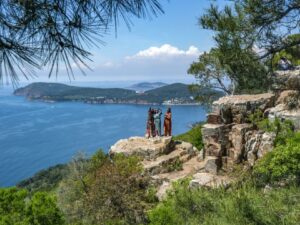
(36, 135)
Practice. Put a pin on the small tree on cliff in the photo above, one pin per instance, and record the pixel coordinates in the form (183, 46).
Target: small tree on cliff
(248, 34)
(37, 33)
(232, 65)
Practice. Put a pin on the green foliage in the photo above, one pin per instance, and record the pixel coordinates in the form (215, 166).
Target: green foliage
(193, 136)
(12, 206)
(236, 206)
(17, 208)
(42, 210)
(106, 190)
(174, 166)
(283, 129)
(291, 53)
(282, 164)
(250, 37)
(256, 118)
(45, 180)
(209, 72)
(233, 60)
(151, 195)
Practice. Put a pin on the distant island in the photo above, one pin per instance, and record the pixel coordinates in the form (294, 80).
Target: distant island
(146, 86)
(167, 94)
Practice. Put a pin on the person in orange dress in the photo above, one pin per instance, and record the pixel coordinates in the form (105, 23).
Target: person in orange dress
(168, 123)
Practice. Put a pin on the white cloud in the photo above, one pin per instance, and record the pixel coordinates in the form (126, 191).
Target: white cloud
(165, 62)
(165, 50)
(108, 64)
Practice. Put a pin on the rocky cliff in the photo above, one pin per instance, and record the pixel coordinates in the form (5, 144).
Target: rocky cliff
(229, 138)
(166, 161)
(228, 135)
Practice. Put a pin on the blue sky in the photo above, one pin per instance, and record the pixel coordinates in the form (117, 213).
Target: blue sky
(157, 49)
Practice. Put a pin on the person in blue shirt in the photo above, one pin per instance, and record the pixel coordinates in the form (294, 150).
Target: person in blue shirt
(157, 121)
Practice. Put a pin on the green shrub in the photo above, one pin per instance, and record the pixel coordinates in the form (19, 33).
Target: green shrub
(283, 129)
(283, 163)
(17, 208)
(174, 166)
(106, 190)
(243, 205)
(193, 136)
(45, 180)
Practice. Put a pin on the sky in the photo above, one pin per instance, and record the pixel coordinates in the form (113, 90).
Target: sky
(157, 49)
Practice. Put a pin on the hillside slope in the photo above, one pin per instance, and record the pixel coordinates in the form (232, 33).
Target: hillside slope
(176, 93)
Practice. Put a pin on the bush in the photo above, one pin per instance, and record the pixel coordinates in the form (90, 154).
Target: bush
(17, 208)
(106, 190)
(283, 163)
(283, 129)
(45, 180)
(193, 136)
(236, 206)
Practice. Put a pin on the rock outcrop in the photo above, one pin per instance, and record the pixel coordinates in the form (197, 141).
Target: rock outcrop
(286, 80)
(146, 148)
(228, 135)
(163, 159)
(209, 180)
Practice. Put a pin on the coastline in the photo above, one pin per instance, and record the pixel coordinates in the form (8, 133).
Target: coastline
(113, 102)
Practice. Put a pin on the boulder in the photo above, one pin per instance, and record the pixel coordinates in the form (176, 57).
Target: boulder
(163, 189)
(258, 143)
(236, 108)
(286, 80)
(209, 180)
(214, 118)
(251, 158)
(280, 111)
(286, 96)
(147, 148)
(237, 138)
(215, 139)
(266, 144)
(213, 164)
(182, 152)
(253, 140)
(201, 155)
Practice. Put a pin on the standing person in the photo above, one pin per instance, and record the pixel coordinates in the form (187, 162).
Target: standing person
(168, 123)
(157, 122)
(150, 124)
(285, 64)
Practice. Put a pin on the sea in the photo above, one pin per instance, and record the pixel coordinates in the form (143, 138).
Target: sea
(35, 135)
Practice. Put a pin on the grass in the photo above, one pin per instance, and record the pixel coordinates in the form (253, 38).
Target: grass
(240, 205)
(193, 136)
